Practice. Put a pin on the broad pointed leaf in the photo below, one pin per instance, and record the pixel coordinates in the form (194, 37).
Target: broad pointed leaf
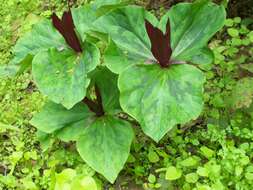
(104, 6)
(101, 3)
(62, 76)
(161, 98)
(42, 37)
(54, 117)
(129, 23)
(105, 145)
(192, 26)
(116, 59)
(107, 84)
(84, 17)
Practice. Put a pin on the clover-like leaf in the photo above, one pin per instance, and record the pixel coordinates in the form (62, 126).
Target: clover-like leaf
(105, 145)
(62, 76)
(161, 98)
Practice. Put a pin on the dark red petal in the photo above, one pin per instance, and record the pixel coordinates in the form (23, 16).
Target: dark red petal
(67, 28)
(57, 23)
(160, 43)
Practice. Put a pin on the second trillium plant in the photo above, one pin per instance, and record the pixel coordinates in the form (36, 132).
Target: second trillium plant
(147, 72)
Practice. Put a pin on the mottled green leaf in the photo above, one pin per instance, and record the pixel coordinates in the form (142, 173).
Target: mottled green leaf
(129, 23)
(54, 117)
(83, 18)
(101, 3)
(107, 84)
(104, 6)
(161, 98)
(105, 145)
(42, 37)
(116, 59)
(192, 26)
(62, 76)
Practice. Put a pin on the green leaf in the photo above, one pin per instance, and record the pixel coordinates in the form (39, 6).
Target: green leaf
(54, 117)
(83, 18)
(205, 56)
(101, 3)
(191, 27)
(62, 76)
(233, 32)
(249, 176)
(161, 98)
(229, 22)
(152, 156)
(42, 37)
(104, 6)
(45, 139)
(84, 183)
(8, 70)
(116, 59)
(191, 178)
(107, 84)
(201, 171)
(207, 152)
(129, 23)
(189, 162)
(172, 173)
(151, 178)
(12, 70)
(105, 145)
(25, 65)
(63, 179)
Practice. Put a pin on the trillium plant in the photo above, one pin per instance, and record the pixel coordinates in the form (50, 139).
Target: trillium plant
(104, 65)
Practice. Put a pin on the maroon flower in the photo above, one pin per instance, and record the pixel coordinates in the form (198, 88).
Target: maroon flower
(160, 43)
(67, 29)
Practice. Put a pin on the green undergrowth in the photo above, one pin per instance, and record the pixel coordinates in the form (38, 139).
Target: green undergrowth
(214, 152)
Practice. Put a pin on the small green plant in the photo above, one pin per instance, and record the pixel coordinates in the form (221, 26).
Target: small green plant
(141, 79)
